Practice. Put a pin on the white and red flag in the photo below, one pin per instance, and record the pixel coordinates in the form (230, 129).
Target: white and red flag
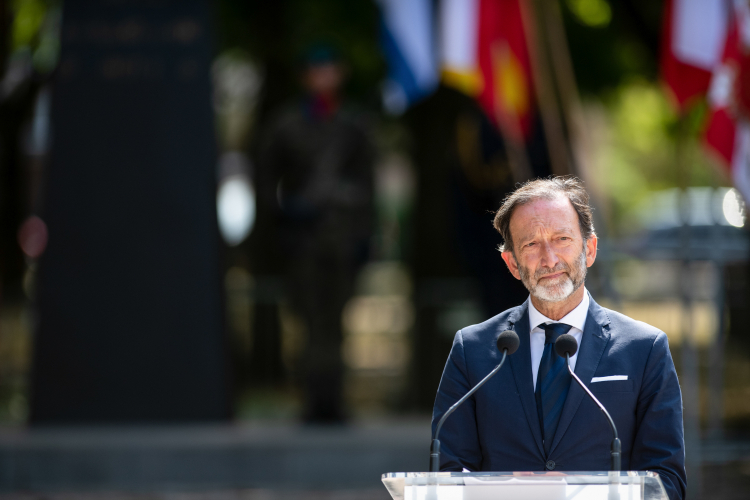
(727, 132)
(693, 38)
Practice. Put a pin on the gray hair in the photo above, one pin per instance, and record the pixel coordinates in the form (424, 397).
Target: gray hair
(545, 189)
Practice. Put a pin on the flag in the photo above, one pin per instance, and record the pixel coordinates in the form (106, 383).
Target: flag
(408, 43)
(484, 53)
(459, 27)
(727, 133)
(693, 38)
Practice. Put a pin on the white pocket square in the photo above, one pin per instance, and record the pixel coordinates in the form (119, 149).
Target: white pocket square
(609, 378)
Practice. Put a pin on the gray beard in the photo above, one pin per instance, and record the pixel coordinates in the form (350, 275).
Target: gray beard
(560, 291)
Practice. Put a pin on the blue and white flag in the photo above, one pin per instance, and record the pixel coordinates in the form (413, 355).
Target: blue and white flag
(408, 41)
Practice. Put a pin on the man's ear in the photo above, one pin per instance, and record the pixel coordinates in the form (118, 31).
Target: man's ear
(591, 248)
(510, 261)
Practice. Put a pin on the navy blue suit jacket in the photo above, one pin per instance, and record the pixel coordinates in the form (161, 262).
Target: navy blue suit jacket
(498, 429)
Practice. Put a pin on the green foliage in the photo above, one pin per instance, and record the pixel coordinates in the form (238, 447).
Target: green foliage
(28, 17)
(594, 13)
(35, 32)
(609, 54)
(280, 33)
(640, 140)
(640, 115)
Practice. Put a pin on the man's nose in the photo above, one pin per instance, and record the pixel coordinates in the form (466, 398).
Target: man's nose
(549, 257)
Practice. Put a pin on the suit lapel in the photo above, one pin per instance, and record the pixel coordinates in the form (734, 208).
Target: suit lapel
(594, 340)
(520, 363)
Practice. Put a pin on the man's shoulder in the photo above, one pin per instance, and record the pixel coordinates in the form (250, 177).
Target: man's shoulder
(493, 326)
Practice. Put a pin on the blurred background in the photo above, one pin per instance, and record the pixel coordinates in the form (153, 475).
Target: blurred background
(237, 237)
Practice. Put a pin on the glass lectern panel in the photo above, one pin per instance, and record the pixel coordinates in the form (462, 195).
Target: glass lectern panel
(626, 485)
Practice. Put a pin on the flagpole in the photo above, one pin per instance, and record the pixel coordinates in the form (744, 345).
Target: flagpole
(559, 155)
(520, 166)
(578, 145)
(564, 78)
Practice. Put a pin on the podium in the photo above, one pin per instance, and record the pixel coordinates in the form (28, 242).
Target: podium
(625, 485)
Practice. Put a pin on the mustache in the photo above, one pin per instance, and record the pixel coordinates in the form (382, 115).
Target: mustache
(544, 271)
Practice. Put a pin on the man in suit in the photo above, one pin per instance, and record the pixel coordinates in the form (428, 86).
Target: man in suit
(532, 416)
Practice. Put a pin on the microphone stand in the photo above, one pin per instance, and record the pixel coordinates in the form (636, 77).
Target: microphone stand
(616, 449)
(435, 446)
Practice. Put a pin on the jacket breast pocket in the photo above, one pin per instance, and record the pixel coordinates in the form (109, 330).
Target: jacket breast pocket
(611, 386)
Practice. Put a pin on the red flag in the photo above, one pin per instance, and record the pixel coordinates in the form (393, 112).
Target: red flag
(720, 132)
(505, 65)
(727, 133)
(693, 35)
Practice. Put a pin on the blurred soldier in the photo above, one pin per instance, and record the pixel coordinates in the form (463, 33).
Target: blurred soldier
(316, 170)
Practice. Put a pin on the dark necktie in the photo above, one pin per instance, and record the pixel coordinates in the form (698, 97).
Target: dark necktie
(552, 383)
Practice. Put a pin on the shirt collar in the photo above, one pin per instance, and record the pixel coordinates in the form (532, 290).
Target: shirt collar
(575, 318)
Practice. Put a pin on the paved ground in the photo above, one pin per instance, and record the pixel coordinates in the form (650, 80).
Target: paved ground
(211, 458)
(257, 461)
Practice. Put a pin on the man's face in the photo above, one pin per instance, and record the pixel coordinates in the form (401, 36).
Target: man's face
(549, 255)
(324, 78)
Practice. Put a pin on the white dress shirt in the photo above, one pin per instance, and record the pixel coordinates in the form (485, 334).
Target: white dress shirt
(575, 318)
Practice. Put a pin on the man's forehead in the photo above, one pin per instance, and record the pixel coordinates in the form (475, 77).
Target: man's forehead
(552, 216)
(559, 208)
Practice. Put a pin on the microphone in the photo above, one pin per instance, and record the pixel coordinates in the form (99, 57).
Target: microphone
(507, 343)
(565, 346)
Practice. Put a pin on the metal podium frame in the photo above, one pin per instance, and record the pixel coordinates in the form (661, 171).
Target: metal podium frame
(624, 485)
